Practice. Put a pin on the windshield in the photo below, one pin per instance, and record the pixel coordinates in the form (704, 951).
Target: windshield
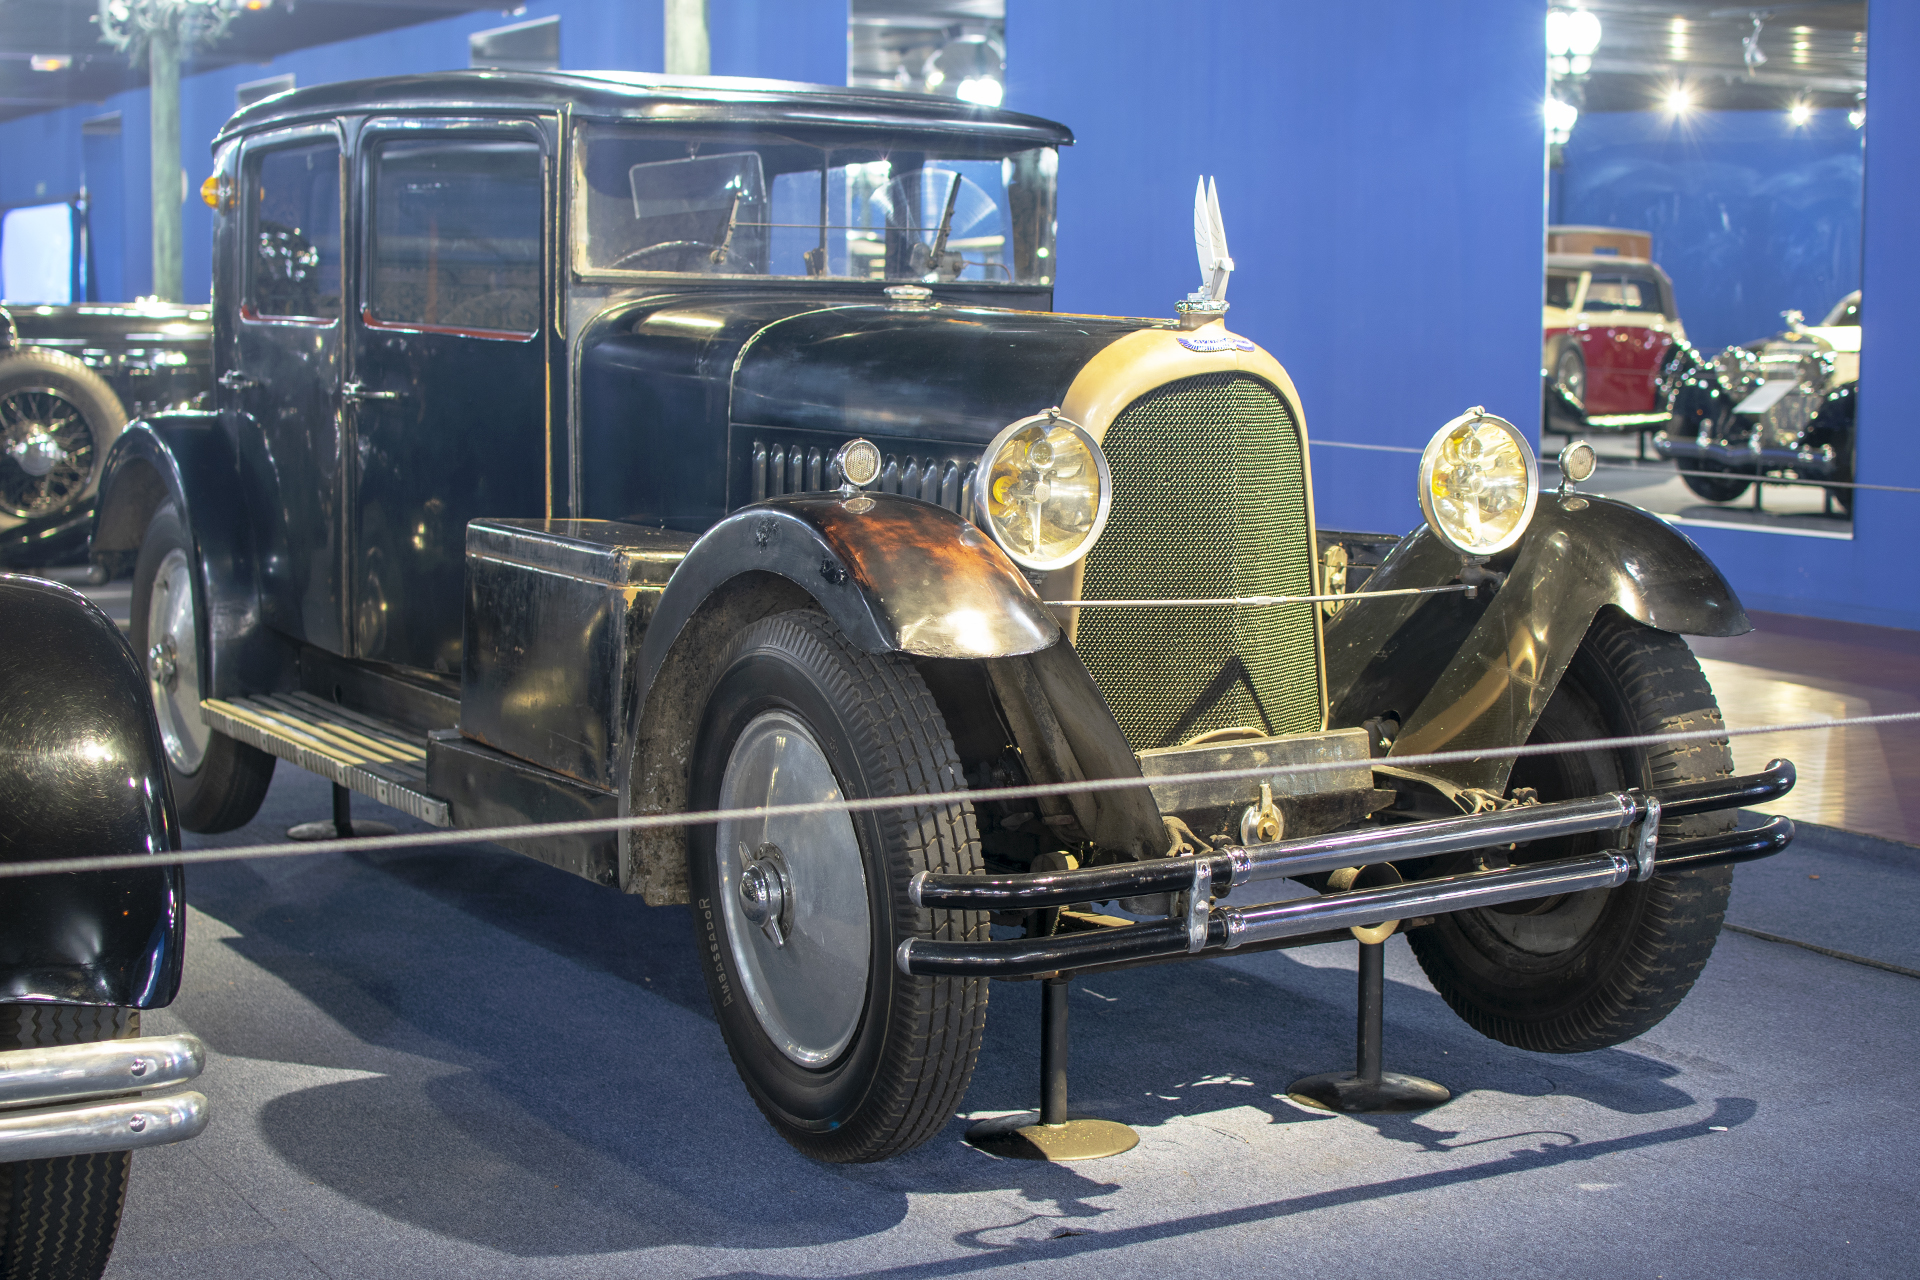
(1623, 292)
(733, 204)
(1845, 312)
(1561, 288)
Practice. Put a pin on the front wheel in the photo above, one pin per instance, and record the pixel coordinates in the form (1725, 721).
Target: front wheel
(1712, 487)
(798, 917)
(1588, 970)
(218, 782)
(59, 1216)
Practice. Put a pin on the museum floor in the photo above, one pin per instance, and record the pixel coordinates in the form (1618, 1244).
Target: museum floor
(464, 1063)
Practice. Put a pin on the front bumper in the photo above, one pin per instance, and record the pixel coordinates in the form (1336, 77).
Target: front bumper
(77, 1099)
(1743, 459)
(1209, 928)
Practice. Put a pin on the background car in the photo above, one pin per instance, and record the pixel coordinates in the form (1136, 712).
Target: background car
(1607, 326)
(69, 378)
(1781, 406)
(82, 954)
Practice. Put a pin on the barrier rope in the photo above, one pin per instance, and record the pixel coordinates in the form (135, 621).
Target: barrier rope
(654, 821)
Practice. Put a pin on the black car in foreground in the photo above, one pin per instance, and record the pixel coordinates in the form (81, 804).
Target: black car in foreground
(69, 375)
(603, 446)
(82, 773)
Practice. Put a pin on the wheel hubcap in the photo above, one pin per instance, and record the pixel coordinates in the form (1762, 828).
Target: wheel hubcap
(173, 665)
(793, 891)
(37, 452)
(48, 452)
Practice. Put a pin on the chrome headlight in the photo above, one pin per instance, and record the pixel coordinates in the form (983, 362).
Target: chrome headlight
(1043, 491)
(1479, 482)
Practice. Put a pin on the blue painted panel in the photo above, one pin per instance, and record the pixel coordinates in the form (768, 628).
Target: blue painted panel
(1750, 214)
(802, 40)
(105, 168)
(1385, 211)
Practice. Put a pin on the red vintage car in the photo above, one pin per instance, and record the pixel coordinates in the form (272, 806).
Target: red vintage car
(1608, 324)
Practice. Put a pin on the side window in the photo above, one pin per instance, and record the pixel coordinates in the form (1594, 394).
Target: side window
(293, 232)
(454, 237)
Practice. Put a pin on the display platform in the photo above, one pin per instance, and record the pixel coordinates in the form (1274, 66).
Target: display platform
(465, 1063)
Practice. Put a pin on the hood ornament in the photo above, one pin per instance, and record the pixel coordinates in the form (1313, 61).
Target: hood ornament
(1209, 301)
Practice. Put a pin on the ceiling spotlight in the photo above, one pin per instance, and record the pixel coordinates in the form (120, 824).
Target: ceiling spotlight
(50, 62)
(1800, 113)
(1857, 117)
(1561, 117)
(1679, 100)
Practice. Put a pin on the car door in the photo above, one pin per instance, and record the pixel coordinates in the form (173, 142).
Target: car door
(448, 389)
(282, 373)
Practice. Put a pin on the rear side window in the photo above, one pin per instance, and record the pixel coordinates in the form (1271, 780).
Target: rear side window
(1622, 292)
(454, 243)
(1561, 288)
(293, 232)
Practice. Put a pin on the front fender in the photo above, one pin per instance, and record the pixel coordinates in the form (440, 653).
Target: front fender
(1463, 674)
(187, 459)
(82, 774)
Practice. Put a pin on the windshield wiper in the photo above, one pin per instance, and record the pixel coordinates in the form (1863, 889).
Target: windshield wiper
(946, 223)
(720, 250)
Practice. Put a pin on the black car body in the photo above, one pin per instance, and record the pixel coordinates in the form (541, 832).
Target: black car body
(594, 446)
(70, 376)
(82, 774)
(1783, 405)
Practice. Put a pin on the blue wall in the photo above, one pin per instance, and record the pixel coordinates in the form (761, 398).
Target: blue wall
(778, 39)
(1750, 214)
(1384, 210)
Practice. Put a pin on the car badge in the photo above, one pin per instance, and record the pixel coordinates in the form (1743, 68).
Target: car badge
(1215, 342)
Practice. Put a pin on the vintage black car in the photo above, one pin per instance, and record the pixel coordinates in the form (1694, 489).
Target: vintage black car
(68, 377)
(82, 773)
(592, 446)
(1781, 406)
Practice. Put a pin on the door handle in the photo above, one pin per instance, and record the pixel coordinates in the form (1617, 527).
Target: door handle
(234, 380)
(354, 391)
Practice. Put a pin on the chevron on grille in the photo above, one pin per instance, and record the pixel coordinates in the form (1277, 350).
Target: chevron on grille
(1210, 499)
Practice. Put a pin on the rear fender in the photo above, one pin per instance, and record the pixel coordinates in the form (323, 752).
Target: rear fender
(896, 574)
(1462, 674)
(187, 459)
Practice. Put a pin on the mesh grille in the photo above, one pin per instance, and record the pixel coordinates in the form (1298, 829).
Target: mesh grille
(1209, 499)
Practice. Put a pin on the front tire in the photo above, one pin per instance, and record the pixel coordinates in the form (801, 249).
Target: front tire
(59, 1216)
(218, 782)
(1713, 488)
(1590, 970)
(798, 918)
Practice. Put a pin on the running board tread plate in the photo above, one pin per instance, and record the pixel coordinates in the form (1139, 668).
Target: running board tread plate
(381, 761)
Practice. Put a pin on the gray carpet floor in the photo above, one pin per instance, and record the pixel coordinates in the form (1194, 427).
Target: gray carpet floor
(461, 1063)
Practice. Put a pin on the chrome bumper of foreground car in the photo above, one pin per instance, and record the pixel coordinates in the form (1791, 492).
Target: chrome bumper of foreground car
(1208, 928)
(62, 1100)
(1743, 459)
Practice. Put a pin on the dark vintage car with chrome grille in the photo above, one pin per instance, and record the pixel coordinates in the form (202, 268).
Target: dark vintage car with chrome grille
(593, 447)
(69, 375)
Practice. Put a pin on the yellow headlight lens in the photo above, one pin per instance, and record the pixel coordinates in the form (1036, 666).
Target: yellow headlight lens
(1043, 491)
(1479, 483)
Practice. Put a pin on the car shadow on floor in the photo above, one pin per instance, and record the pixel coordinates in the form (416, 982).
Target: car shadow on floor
(550, 1081)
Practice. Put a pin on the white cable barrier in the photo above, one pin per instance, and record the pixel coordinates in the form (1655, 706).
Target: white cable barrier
(653, 821)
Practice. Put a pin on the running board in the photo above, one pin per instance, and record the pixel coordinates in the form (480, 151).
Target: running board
(382, 761)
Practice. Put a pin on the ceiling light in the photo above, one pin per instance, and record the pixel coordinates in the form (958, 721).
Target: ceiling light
(51, 62)
(1574, 32)
(1679, 100)
(1561, 117)
(1800, 113)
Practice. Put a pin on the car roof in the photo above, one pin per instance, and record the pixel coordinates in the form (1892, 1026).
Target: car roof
(1600, 261)
(633, 95)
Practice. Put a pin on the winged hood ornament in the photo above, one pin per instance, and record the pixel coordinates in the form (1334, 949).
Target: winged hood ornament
(1209, 301)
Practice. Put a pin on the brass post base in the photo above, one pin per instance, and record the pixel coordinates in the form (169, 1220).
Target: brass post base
(1351, 1094)
(1023, 1137)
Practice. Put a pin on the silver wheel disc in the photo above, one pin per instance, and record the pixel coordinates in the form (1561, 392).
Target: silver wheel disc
(173, 664)
(805, 975)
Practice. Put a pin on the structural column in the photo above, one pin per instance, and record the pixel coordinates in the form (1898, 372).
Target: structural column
(163, 61)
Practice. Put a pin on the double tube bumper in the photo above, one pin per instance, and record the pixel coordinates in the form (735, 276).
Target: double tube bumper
(1210, 928)
(62, 1100)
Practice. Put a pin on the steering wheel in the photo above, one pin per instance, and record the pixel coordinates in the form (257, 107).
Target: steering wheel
(700, 252)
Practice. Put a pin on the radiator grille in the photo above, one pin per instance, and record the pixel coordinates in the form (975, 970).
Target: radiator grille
(1210, 499)
(776, 469)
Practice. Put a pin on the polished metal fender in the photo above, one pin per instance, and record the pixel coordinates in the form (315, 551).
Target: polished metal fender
(186, 458)
(82, 773)
(1463, 674)
(896, 574)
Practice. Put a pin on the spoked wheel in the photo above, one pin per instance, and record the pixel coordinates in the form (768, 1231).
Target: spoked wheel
(59, 1216)
(218, 782)
(57, 418)
(1587, 970)
(798, 917)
